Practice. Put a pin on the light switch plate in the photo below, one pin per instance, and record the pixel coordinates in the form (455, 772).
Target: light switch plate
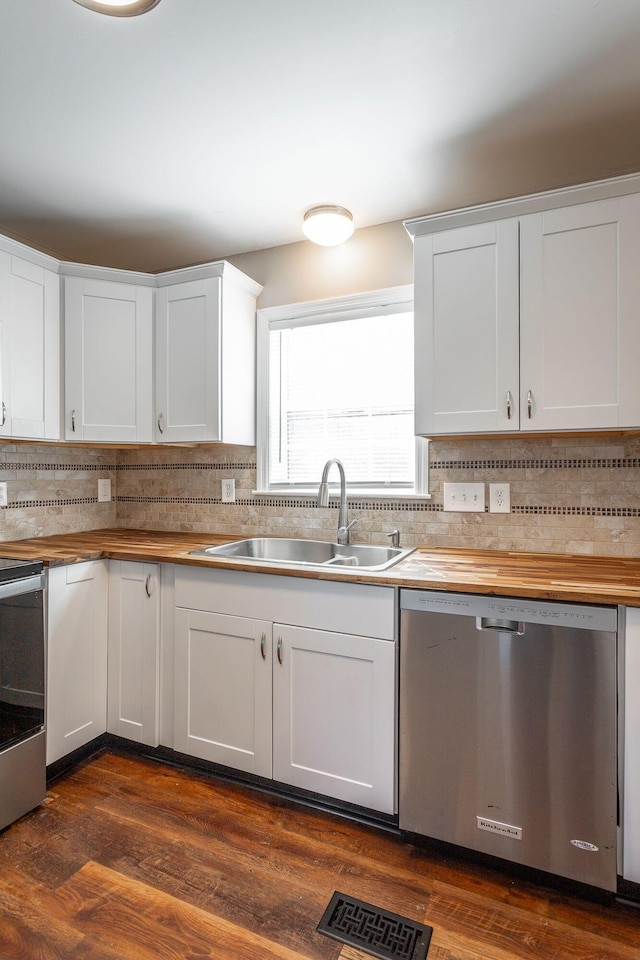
(464, 497)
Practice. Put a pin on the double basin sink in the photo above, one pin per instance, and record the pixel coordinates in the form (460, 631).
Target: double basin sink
(307, 553)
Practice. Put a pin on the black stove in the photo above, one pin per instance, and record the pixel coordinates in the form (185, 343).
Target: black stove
(12, 569)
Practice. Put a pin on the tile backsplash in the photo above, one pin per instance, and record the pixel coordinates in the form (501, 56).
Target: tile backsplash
(578, 494)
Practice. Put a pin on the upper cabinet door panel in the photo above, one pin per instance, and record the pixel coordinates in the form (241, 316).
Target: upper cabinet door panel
(188, 360)
(108, 346)
(466, 329)
(580, 335)
(30, 348)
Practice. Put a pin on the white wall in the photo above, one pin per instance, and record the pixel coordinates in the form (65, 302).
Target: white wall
(374, 258)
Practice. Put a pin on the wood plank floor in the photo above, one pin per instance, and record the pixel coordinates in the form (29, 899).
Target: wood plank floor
(132, 859)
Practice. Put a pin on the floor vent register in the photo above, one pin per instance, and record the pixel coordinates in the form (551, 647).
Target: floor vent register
(379, 932)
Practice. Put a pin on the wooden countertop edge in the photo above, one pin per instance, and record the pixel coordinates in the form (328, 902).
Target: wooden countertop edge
(602, 580)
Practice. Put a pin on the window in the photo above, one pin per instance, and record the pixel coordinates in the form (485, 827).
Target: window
(336, 380)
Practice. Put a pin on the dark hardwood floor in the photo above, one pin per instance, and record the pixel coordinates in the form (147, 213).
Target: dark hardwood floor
(132, 859)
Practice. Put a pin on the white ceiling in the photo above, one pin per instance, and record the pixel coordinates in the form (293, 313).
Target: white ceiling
(207, 127)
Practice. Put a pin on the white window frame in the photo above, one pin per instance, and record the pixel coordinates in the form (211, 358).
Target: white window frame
(317, 311)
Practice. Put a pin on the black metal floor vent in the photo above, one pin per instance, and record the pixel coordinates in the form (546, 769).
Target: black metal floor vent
(378, 932)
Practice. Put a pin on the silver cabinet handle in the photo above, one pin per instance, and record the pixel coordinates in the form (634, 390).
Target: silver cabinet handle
(147, 585)
(529, 404)
(263, 646)
(279, 650)
(509, 404)
(73, 421)
(4, 414)
(160, 419)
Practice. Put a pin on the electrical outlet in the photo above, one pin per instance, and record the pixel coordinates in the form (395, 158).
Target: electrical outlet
(104, 490)
(465, 497)
(4, 501)
(228, 491)
(499, 498)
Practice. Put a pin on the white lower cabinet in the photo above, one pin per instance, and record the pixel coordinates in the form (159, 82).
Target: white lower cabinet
(333, 715)
(302, 703)
(134, 651)
(223, 686)
(285, 678)
(76, 656)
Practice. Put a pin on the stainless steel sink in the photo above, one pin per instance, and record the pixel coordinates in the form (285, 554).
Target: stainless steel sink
(307, 553)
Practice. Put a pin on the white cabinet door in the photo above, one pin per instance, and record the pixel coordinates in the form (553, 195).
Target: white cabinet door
(205, 359)
(29, 349)
(109, 361)
(188, 360)
(466, 330)
(580, 328)
(76, 656)
(134, 651)
(631, 767)
(334, 715)
(223, 690)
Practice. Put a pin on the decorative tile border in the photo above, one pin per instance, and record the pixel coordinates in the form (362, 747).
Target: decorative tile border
(184, 466)
(301, 504)
(61, 467)
(384, 507)
(579, 511)
(535, 463)
(70, 501)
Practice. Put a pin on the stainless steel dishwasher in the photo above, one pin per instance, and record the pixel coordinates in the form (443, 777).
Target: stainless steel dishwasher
(508, 730)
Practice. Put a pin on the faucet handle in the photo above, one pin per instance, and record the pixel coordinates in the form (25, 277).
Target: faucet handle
(395, 538)
(343, 532)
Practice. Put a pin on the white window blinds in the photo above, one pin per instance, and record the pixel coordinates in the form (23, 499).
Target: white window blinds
(342, 387)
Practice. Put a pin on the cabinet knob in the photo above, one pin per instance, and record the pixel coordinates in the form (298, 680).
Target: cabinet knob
(529, 404)
(279, 650)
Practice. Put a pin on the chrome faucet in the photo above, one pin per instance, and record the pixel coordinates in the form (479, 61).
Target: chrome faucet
(323, 500)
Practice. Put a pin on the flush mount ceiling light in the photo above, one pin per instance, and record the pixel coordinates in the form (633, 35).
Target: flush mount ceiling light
(327, 225)
(119, 8)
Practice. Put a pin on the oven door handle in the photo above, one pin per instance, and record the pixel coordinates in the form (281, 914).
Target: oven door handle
(15, 588)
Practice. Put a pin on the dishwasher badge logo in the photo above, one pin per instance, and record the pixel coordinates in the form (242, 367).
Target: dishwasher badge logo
(585, 845)
(503, 829)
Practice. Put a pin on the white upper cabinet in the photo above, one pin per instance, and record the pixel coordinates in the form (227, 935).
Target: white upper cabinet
(29, 349)
(108, 369)
(580, 316)
(196, 384)
(529, 322)
(205, 357)
(466, 329)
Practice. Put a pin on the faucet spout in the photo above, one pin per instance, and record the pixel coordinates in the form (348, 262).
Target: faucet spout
(323, 499)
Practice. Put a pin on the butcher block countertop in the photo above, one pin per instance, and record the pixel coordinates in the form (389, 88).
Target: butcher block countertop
(603, 580)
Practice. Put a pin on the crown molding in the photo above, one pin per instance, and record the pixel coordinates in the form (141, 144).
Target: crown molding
(520, 206)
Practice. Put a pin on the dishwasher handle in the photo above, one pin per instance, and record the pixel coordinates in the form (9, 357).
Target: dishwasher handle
(500, 626)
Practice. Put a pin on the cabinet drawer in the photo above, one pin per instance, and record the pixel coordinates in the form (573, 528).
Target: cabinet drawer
(361, 609)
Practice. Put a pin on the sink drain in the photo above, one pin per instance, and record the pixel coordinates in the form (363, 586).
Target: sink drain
(379, 932)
